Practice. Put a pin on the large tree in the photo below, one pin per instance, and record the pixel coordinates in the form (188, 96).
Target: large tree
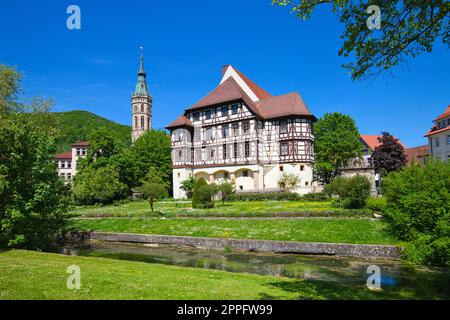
(33, 199)
(336, 142)
(408, 28)
(389, 155)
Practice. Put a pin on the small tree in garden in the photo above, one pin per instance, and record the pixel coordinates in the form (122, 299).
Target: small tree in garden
(225, 190)
(154, 187)
(203, 194)
(188, 186)
(352, 192)
(389, 155)
(288, 182)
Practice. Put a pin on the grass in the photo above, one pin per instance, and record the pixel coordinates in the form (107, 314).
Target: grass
(34, 275)
(171, 209)
(359, 231)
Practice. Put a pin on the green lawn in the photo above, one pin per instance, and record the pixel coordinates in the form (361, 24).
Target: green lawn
(33, 275)
(362, 231)
(232, 209)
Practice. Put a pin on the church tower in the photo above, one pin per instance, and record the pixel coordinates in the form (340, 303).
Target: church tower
(141, 104)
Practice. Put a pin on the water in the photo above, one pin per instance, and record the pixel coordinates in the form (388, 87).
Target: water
(396, 277)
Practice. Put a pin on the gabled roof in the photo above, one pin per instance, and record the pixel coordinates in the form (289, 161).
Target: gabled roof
(80, 144)
(64, 156)
(257, 90)
(445, 114)
(416, 152)
(290, 104)
(372, 141)
(181, 121)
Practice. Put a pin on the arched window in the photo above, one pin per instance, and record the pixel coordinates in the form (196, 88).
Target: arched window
(142, 122)
(135, 122)
(142, 108)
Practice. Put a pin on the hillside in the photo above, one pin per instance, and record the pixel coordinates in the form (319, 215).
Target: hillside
(78, 125)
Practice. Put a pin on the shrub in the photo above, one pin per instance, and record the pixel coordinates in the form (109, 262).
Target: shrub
(319, 196)
(188, 186)
(203, 194)
(225, 190)
(265, 196)
(288, 182)
(377, 204)
(352, 192)
(418, 208)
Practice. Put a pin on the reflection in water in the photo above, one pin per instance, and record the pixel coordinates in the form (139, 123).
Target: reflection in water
(346, 271)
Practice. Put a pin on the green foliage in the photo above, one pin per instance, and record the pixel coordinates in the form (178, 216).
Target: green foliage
(80, 125)
(188, 186)
(336, 142)
(389, 155)
(265, 196)
(225, 189)
(408, 28)
(418, 207)
(98, 186)
(153, 149)
(154, 187)
(202, 195)
(33, 199)
(102, 144)
(377, 204)
(288, 181)
(352, 192)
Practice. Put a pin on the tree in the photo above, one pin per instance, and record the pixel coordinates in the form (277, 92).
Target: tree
(33, 199)
(154, 187)
(102, 144)
(288, 181)
(336, 142)
(98, 186)
(408, 29)
(389, 155)
(225, 188)
(203, 193)
(352, 192)
(188, 186)
(153, 149)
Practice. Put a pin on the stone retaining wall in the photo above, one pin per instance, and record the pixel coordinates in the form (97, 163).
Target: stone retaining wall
(338, 249)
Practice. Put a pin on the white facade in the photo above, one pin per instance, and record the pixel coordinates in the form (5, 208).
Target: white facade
(231, 141)
(439, 137)
(66, 163)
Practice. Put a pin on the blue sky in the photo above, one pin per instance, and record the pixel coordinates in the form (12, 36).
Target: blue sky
(187, 42)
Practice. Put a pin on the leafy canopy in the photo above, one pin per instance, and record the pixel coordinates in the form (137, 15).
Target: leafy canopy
(408, 28)
(389, 155)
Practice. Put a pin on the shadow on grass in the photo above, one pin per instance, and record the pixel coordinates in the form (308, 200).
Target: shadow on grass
(4, 249)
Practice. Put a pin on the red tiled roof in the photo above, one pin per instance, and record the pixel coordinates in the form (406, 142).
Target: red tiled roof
(372, 141)
(445, 114)
(80, 144)
(434, 130)
(180, 122)
(257, 90)
(290, 104)
(64, 155)
(416, 152)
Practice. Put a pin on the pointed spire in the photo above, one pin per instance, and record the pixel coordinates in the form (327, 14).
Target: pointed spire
(141, 85)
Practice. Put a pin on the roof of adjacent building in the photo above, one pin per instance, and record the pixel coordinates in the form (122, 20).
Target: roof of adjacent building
(235, 86)
(80, 144)
(417, 152)
(64, 156)
(372, 141)
(181, 121)
(435, 128)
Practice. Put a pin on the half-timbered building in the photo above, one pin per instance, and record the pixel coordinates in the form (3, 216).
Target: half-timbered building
(241, 133)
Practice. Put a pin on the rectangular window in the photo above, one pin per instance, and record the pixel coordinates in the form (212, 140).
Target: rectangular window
(283, 126)
(437, 141)
(284, 149)
(235, 150)
(78, 151)
(234, 108)
(198, 155)
(208, 114)
(63, 164)
(245, 173)
(197, 134)
(235, 129)
(448, 139)
(224, 111)
(246, 127)
(196, 116)
(213, 154)
(225, 131)
(69, 164)
(225, 151)
(209, 134)
(247, 149)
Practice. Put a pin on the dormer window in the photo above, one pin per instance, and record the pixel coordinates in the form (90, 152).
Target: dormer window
(196, 116)
(224, 111)
(234, 108)
(208, 114)
(283, 126)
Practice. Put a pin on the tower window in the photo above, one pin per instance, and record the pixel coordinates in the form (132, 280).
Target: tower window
(142, 108)
(225, 151)
(142, 122)
(247, 149)
(246, 127)
(235, 150)
(284, 149)
(135, 122)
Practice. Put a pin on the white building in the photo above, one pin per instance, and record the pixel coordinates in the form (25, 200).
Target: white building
(66, 162)
(439, 137)
(242, 133)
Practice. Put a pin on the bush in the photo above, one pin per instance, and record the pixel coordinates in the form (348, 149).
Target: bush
(319, 196)
(418, 208)
(352, 192)
(288, 182)
(202, 196)
(377, 204)
(265, 196)
(225, 189)
(188, 186)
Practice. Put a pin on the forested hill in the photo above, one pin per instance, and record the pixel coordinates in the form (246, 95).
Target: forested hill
(78, 125)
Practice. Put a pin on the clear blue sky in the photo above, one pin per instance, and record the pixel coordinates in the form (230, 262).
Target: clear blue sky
(187, 42)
